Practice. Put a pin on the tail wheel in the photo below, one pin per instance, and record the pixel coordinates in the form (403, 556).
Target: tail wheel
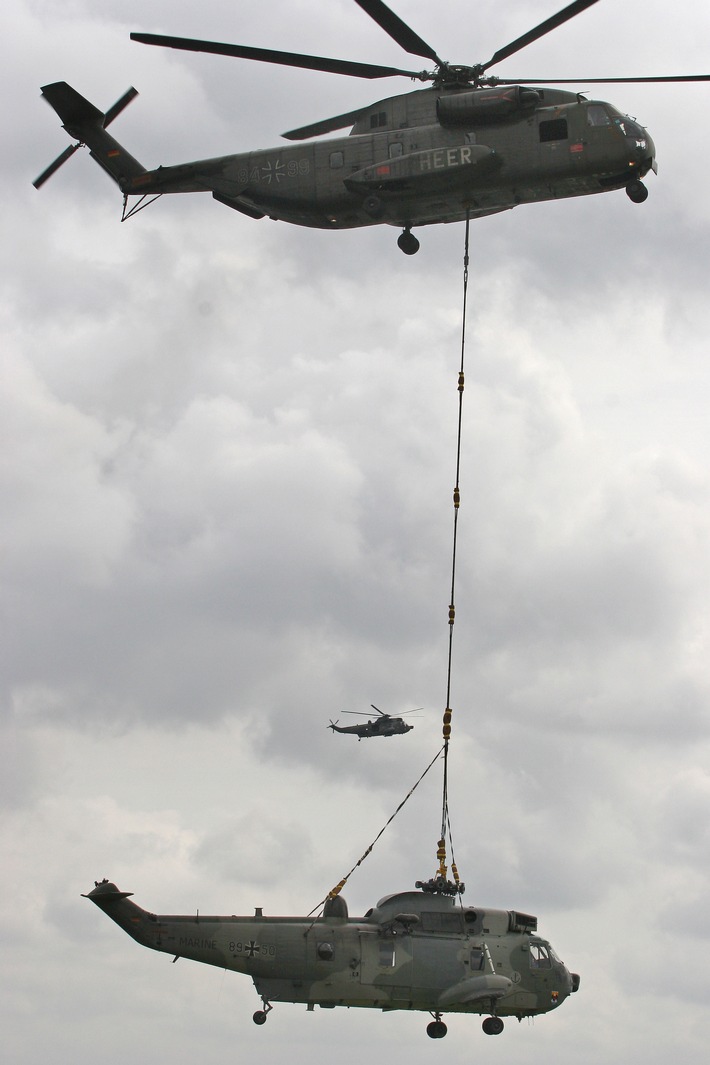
(260, 1016)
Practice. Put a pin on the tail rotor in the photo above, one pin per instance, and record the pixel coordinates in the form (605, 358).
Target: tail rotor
(72, 114)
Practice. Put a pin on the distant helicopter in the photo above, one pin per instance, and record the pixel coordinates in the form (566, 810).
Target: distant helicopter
(470, 145)
(384, 725)
(417, 950)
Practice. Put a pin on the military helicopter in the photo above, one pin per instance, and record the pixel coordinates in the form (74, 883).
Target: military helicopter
(416, 950)
(470, 145)
(384, 725)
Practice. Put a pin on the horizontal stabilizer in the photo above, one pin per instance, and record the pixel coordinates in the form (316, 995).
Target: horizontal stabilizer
(106, 892)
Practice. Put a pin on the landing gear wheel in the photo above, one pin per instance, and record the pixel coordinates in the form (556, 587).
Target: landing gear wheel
(261, 1015)
(493, 1026)
(436, 1030)
(407, 242)
(636, 191)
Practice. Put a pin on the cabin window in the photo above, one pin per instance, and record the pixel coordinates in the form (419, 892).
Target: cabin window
(378, 120)
(386, 956)
(554, 129)
(597, 116)
(539, 957)
(477, 959)
(337, 160)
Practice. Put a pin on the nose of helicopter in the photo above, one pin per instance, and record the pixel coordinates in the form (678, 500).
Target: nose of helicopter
(650, 155)
(642, 150)
(571, 979)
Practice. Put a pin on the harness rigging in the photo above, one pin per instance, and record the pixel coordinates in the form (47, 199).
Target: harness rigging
(440, 884)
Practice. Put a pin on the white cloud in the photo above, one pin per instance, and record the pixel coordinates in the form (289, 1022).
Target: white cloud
(227, 484)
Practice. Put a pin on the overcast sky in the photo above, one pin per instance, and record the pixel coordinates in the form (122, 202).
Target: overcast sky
(227, 469)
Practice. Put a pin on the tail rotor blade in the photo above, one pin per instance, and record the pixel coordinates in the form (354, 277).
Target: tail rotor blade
(115, 111)
(53, 167)
(79, 117)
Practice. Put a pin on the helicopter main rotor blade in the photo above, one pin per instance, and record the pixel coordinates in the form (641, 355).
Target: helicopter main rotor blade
(545, 27)
(326, 125)
(600, 81)
(269, 55)
(398, 30)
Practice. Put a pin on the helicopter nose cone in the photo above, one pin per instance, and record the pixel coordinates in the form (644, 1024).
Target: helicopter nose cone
(650, 155)
(642, 150)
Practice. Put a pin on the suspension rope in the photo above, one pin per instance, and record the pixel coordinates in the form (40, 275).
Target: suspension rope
(339, 886)
(440, 882)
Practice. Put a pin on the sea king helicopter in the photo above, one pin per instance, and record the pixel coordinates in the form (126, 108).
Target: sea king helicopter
(384, 725)
(416, 950)
(469, 145)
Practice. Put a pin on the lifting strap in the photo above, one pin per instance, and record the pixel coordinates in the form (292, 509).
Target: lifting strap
(339, 887)
(439, 884)
(443, 884)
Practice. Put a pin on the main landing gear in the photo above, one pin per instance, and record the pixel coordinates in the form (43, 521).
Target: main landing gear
(436, 1029)
(636, 191)
(410, 246)
(260, 1015)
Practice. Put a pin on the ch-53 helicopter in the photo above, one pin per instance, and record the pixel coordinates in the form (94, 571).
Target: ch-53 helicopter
(470, 145)
(416, 950)
(384, 725)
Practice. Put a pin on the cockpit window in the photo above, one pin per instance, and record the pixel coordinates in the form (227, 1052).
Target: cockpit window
(630, 128)
(539, 957)
(597, 116)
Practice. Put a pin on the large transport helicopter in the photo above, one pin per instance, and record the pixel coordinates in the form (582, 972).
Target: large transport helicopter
(384, 725)
(469, 145)
(417, 950)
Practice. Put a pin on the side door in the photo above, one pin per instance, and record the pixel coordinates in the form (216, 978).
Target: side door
(386, 967)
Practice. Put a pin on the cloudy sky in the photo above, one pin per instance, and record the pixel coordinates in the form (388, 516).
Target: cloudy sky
(227, 469)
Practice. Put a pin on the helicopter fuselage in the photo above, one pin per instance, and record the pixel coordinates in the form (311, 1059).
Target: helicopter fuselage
(429, 156)
(380, 726)
(413, 951)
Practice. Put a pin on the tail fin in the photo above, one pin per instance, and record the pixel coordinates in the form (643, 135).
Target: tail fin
(88, 125)
(140, 925)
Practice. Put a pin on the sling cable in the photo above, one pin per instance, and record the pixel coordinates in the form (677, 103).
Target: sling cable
(440, 884)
